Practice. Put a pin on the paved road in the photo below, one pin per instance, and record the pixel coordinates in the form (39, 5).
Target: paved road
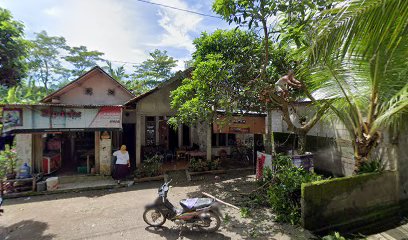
(117, 214)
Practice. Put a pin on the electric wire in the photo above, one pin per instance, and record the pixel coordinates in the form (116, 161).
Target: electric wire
(179, 9)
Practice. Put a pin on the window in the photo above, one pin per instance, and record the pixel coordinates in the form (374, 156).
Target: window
(111, 92)
(223, 139)
(150, 137)
(88, 91)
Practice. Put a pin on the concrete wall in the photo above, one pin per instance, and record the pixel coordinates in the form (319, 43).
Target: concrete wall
(24, 147)
(100, 84)
(344, 203)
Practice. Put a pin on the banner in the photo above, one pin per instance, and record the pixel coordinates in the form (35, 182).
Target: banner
(263, 160)
(34, 118)
(239, 125)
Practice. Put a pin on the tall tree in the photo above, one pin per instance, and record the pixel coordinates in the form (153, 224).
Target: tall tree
(45, 61)
(155, 69)
(13, 49)
(82, 59)
(256, 15)
(223, 62)
(117, 73)
(361, 58)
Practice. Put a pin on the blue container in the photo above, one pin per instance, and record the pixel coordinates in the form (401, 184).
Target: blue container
(24, 171)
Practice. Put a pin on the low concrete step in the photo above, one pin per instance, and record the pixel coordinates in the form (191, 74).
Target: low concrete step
(81, 178)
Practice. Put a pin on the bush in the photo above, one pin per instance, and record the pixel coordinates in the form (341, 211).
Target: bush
(284, 192)
(372, 166)
(150, 167)
(8, 160)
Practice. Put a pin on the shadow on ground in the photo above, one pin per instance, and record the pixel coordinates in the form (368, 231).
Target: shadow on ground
(175, 233)
(27, 229)
(235, 188)
(82, 193)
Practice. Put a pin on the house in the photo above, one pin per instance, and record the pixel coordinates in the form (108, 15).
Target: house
(76, 128)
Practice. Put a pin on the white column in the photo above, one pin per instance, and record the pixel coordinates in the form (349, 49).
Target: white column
(209, 145)
(138, 139)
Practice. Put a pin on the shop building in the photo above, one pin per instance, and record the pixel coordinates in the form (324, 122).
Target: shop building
(74, 129)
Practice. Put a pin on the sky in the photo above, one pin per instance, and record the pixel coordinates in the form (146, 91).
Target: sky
(125, 30)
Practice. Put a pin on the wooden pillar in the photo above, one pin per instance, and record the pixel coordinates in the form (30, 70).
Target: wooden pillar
(138, 139)
(209, 144)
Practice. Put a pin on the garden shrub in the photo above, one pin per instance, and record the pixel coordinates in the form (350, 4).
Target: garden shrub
(284, 191)
(150, 167)
(8, 159)
(375, 165)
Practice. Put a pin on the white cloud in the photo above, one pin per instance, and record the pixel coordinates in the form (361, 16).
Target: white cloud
(177, 26)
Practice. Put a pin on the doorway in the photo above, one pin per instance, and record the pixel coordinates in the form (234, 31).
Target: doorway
(128, 139)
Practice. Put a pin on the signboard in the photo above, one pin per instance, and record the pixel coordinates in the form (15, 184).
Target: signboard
(55, 118)
(239, 124)
(12, 117)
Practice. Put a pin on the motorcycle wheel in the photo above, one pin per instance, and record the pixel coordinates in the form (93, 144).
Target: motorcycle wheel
(153, 217)
(210, 223)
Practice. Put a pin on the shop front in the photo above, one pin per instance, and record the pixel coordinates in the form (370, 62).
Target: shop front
(64, 139)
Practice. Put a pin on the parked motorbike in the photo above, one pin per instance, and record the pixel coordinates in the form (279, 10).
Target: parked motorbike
(200, 213)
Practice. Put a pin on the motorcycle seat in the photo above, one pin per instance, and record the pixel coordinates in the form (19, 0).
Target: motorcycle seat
(196, 203)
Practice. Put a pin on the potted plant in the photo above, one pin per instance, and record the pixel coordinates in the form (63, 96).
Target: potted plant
(8, 159)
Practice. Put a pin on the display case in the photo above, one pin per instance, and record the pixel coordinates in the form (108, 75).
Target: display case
(51, 162)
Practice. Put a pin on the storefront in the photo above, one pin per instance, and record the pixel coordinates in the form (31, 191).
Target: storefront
(65, 139)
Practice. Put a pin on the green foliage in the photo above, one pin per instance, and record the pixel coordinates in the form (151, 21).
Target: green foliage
(13, 49)
(22, 93)
(371, 166)
(198, 165)
(82, 59)
(45, 64)
(151, 167)
(8, 160)
(284, 192)
(225, 62)
(360, 59)
(245, 212)
(334, 236)
(155, 69)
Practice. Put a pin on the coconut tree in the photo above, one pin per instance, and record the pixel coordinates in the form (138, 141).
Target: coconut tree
(360, 58)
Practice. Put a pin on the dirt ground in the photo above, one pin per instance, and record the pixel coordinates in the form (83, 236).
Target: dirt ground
(117, 213)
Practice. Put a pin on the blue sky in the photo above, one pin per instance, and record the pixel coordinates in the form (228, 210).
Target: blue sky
(125, 30)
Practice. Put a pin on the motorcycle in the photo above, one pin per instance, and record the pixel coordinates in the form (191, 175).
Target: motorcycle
(201, 213)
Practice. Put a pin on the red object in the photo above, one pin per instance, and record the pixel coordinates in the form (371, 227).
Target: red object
(259, 166)
(51, 163)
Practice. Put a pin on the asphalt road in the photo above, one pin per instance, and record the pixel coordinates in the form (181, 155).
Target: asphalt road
(117, 214)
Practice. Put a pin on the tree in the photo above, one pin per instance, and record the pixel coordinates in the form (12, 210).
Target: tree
(361, 58)
(119, 73)
(13, 49)
(82, 59)
(223, 62)
(26, 92)
(45, 61)
(155, 69)
(255, 15)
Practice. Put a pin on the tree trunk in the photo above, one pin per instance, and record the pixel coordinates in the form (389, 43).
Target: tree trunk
(362, 149)
(301, 142)
(269, 139)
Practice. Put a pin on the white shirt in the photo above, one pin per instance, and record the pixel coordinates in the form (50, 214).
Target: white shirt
(121, 158)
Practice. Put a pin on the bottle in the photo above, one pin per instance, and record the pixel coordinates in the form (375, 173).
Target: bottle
(24, 171)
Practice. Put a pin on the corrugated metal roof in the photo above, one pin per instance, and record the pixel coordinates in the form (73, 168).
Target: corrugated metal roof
(57, 105)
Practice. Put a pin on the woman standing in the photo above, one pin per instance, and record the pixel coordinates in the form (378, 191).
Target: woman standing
(122, 164)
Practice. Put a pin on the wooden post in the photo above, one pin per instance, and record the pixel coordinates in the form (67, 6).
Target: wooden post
(218, 200)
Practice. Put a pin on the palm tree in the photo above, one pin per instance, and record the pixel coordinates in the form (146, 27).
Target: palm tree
(360, 57)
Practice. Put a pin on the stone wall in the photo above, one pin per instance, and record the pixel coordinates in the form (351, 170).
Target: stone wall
(347, 202)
